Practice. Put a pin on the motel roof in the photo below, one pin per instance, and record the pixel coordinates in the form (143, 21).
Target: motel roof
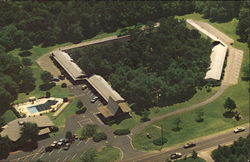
(13, 128)
(112, 108)
(68, 65)
(217, 58)
(103, 88)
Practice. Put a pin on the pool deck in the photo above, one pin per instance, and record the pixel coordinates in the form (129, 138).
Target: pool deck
(22, 108)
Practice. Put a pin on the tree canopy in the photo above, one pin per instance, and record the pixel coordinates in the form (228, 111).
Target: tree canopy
(238, 152)
(14, 78)
(159, 67)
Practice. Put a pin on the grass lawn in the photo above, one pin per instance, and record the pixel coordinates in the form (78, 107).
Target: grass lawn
(63, 116)
(8, 115)
(38, 51)
(200, 96)
(190, 159)
(214, 121)
(106, 154)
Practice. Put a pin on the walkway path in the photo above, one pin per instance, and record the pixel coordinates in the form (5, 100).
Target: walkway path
(185, 109)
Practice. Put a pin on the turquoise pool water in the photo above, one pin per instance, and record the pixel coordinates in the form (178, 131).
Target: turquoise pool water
(46, 106)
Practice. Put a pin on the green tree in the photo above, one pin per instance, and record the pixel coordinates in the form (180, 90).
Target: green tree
(194, 154)
(89, 156)
(145, 115)
(46, 77)
(27, 83)
(2, 122)
(90, 130)
(79, 104)
(5, 146)
(177, 122)
(199, 116)
(69, 135)
(26, 62)
(229, 104)
(47, 94)
(29, 131)
(26, 44)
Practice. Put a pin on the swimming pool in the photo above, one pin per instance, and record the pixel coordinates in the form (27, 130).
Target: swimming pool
(41, 107)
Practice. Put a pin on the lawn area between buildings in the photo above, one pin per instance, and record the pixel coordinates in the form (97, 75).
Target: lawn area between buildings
(38, 51)
(106, 154)
(200, 96)
(60, 120)
(214, 121)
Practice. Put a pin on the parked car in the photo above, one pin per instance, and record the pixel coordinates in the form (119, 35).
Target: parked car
(94, 99)
(59, 144)
(62, 140)
(175, 155)
(66, 147)
(84, 87)
(76, 136)
(188, 145)
(49, 148)
(239, 129)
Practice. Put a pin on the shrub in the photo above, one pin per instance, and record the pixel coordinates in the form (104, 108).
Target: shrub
(99, 137)
(25, 54)
(83, 134)
(26, 62)
(69, 135)
(121, 131)
(160, 141)
(65, 99)
(64, 85)
(79, 104)
(81, 111)
(47, 94)
(90, 130)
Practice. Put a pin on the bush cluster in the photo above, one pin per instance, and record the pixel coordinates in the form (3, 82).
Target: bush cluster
(121, 131)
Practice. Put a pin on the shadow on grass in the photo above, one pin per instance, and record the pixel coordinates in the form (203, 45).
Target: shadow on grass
(229, 114)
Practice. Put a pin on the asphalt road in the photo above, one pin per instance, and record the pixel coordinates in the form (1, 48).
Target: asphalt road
(201, 144)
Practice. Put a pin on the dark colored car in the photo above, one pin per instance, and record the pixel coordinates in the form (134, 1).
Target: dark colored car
(66, 147)
(188, 145)
(49, 148)
(175, 155)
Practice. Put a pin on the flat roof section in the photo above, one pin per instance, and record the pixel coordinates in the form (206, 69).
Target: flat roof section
(68, 65)
(103, 88)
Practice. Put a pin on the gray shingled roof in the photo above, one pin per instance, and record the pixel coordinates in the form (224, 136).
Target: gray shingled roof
(13, 129)
(69, 65)
(103, 88)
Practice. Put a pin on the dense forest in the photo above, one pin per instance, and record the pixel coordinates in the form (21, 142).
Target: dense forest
(238, 152)
(27, 23)
(158, 66)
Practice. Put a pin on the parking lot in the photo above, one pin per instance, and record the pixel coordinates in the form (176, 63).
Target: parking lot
(59, 154)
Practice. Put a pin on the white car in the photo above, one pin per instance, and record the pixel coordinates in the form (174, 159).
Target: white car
(94, 99)
(175, 155)
(84, 87)
(239, 129)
